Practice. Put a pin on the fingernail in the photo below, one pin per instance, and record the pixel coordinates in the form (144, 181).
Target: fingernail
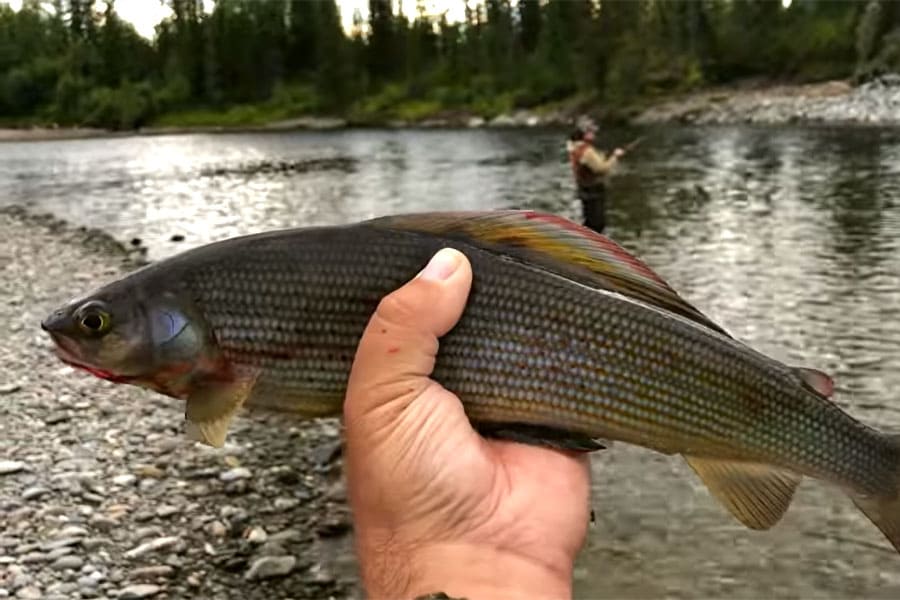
(441, 266)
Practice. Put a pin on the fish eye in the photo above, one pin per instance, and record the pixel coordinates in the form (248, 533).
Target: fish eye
(93, 320)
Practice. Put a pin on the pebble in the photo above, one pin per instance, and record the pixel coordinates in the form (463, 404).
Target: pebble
(9, 388)
(141, 590)
(166, 511)
(152, 572)
(8, 467)
(235, 474)
(283, 504)
(34, 492)
(288, 535)
(124, 479)
(72, 531)
(216, 529)
(91, 580)
(152, 546)
(257, 535)
(271, 566)
(29, 592)
(68, 562)
(58, 552)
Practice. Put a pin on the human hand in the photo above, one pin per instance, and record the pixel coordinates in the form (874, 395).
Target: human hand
(618, 152)
(436, 507)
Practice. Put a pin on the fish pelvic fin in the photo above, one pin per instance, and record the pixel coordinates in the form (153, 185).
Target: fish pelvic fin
(884, 509)
(211, 408)
(756, 494)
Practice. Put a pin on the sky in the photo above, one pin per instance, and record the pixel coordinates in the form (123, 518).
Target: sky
(145, 14)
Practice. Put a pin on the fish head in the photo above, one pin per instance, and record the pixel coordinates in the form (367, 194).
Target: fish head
(128, 333)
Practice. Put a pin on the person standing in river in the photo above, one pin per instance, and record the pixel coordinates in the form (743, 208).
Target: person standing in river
(590, 168)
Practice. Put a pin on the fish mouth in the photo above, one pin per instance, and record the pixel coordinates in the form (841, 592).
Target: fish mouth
(65, 351)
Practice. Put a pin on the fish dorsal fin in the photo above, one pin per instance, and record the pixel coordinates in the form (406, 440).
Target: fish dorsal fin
(819, 382)
(557, 245)
(756, 494)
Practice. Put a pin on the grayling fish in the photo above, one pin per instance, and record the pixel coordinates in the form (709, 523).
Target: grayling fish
(566, 339)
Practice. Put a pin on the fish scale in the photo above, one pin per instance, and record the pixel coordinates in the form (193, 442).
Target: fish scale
(565, 338)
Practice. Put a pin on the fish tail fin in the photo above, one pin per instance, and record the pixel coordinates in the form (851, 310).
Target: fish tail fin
(884, 509)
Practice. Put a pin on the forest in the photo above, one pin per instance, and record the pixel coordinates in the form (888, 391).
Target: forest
(77, 63)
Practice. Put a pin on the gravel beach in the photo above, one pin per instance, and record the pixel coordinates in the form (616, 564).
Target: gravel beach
(101, 495)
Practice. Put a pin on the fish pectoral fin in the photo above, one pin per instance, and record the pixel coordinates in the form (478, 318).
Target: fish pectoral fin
(756, 494)
(539, 435)
(210, 409)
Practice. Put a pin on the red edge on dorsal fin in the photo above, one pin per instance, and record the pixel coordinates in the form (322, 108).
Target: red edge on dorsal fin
(618, 251)
(816, 380)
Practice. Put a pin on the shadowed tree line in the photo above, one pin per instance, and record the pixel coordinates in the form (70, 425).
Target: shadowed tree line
(75, 62)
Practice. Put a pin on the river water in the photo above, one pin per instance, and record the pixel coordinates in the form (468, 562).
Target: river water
(788, 237)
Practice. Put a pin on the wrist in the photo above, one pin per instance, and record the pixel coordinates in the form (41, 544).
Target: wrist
(461, 570)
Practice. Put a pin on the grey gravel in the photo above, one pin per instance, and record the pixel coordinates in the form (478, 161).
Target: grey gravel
(874, 102)
(101, 491)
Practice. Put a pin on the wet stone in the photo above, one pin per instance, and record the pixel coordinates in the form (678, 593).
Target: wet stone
(68, 562)
(34, 492)
(271, 566)
(152, 572)
(136, 592)
(8, 467)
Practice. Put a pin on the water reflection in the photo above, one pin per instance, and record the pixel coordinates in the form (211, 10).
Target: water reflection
(788, 237)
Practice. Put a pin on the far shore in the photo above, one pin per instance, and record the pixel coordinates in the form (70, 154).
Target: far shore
(837, 102)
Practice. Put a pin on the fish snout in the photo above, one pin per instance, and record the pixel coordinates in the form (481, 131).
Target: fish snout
(55, 322)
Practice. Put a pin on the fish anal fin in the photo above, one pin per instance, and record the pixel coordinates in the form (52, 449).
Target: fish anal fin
(756, 494)
(557, 245)
(211, 407)
(539, 435)
(819, 382)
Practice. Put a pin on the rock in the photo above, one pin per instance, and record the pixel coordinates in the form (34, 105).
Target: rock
(153, 546)
(235, 474)
(58, 552)
(68, 562)
(216, 529)
(284, 504)
(177, 238)
(125, 479)
(141, 590)
(9, 388)
(150, 471)
(271, 566)
(60, 543)
(57, 417)
(257, 535)
(8, 467)
(166, 511)
(72, 531)
(33, 557)
(152, 572)
(29, 592)
(91, 580)
(288, 535)
(34, 492)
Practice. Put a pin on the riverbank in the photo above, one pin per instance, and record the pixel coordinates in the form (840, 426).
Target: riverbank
(831, 102)
(101, 495)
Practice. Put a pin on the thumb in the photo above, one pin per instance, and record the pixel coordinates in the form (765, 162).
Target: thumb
(396, 353)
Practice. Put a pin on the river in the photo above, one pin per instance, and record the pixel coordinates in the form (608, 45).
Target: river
(789, 237)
